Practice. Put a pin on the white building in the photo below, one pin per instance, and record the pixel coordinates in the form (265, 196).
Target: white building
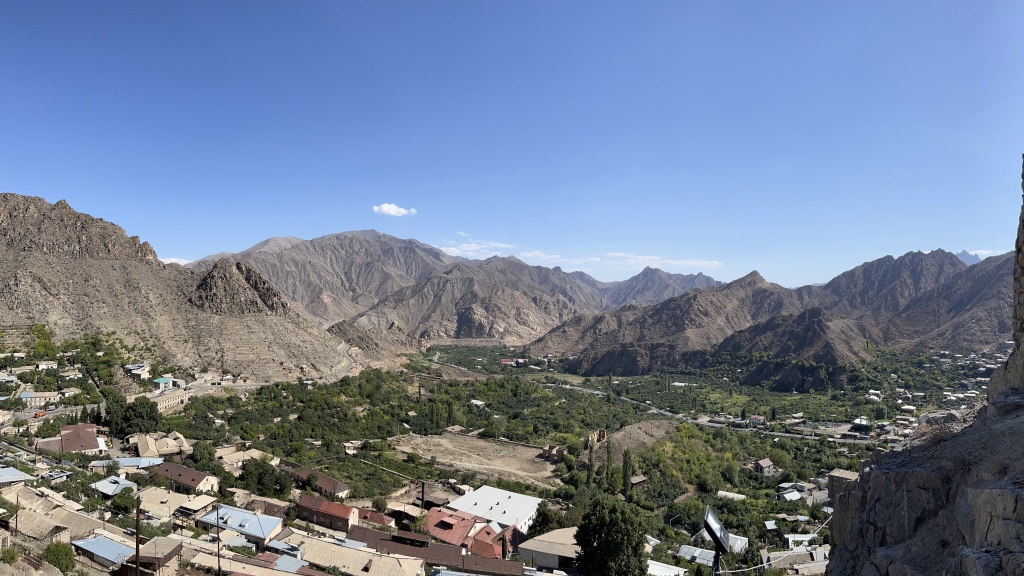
(500, 507)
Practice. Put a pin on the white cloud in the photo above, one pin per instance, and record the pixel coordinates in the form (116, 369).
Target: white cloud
(981, 253)
(538, 255)
(617, 264)
(181, 261)
(393, 210)
(637, 260)
(476, 249)
(463, 234)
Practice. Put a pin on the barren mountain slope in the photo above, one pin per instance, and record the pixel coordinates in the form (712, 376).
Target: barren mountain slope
(335, 277)
(971, 308)
(813, 335)
(652, 286)
(880, 289)
(501, 298)
(695, 320)
(85, 275)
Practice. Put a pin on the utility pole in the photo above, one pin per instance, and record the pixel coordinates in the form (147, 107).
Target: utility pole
(138, 529)
(219, 573)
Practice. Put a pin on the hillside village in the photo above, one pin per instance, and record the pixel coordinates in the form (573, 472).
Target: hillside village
(80, 484)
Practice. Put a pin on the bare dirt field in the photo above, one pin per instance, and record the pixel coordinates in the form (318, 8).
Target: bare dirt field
(485, 457)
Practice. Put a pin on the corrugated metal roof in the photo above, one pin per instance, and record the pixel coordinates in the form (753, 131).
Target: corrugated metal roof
(243, 521)
(112, 485)
(105, 548)
(9, 475)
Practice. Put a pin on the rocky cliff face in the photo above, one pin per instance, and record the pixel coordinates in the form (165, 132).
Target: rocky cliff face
(954, 503)
(30, 224)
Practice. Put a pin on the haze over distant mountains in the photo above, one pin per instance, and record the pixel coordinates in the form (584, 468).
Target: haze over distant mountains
(287, 303)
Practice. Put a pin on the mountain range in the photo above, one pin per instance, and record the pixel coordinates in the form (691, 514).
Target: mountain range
(376, 282)
(288, 306)
(915, 302)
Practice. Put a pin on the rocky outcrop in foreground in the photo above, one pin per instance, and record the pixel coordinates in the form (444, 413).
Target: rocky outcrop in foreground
(954, 504)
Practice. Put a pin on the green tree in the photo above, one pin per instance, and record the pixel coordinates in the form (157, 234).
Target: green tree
(547, 519)
(627, 470)
(123, 502)
(117, 404)
(261, 477)
(61, 556)
(611, 539)
(142, 415)
(608, 463)
(10, 555)
(590, 466)
(380, 504)
(203, 454)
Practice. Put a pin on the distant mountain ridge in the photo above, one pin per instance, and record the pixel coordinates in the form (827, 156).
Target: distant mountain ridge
(917, 301)
(376, 282)
(383, 295)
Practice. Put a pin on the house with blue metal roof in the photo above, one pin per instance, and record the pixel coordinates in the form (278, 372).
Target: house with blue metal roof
(112, 485)
(103, 550)
(11, 476)
(256, 528)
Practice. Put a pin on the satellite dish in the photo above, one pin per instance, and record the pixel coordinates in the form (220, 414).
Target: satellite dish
(717, 531)
(719, 535)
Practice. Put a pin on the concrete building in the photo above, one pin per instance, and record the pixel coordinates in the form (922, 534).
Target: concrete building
(766, 467)
(171, 399)
(186, 479)
(333, 515)
(556, 550)
(39, 399)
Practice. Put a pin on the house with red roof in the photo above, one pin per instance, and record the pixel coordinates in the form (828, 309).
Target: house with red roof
(469, 531)
(323, 512)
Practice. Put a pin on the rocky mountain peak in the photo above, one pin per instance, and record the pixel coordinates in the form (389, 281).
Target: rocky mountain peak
(752, 279)
(968, 258)
(31, 224)
(236, 289)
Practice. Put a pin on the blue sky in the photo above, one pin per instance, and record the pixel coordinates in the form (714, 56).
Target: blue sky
(796, 138)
